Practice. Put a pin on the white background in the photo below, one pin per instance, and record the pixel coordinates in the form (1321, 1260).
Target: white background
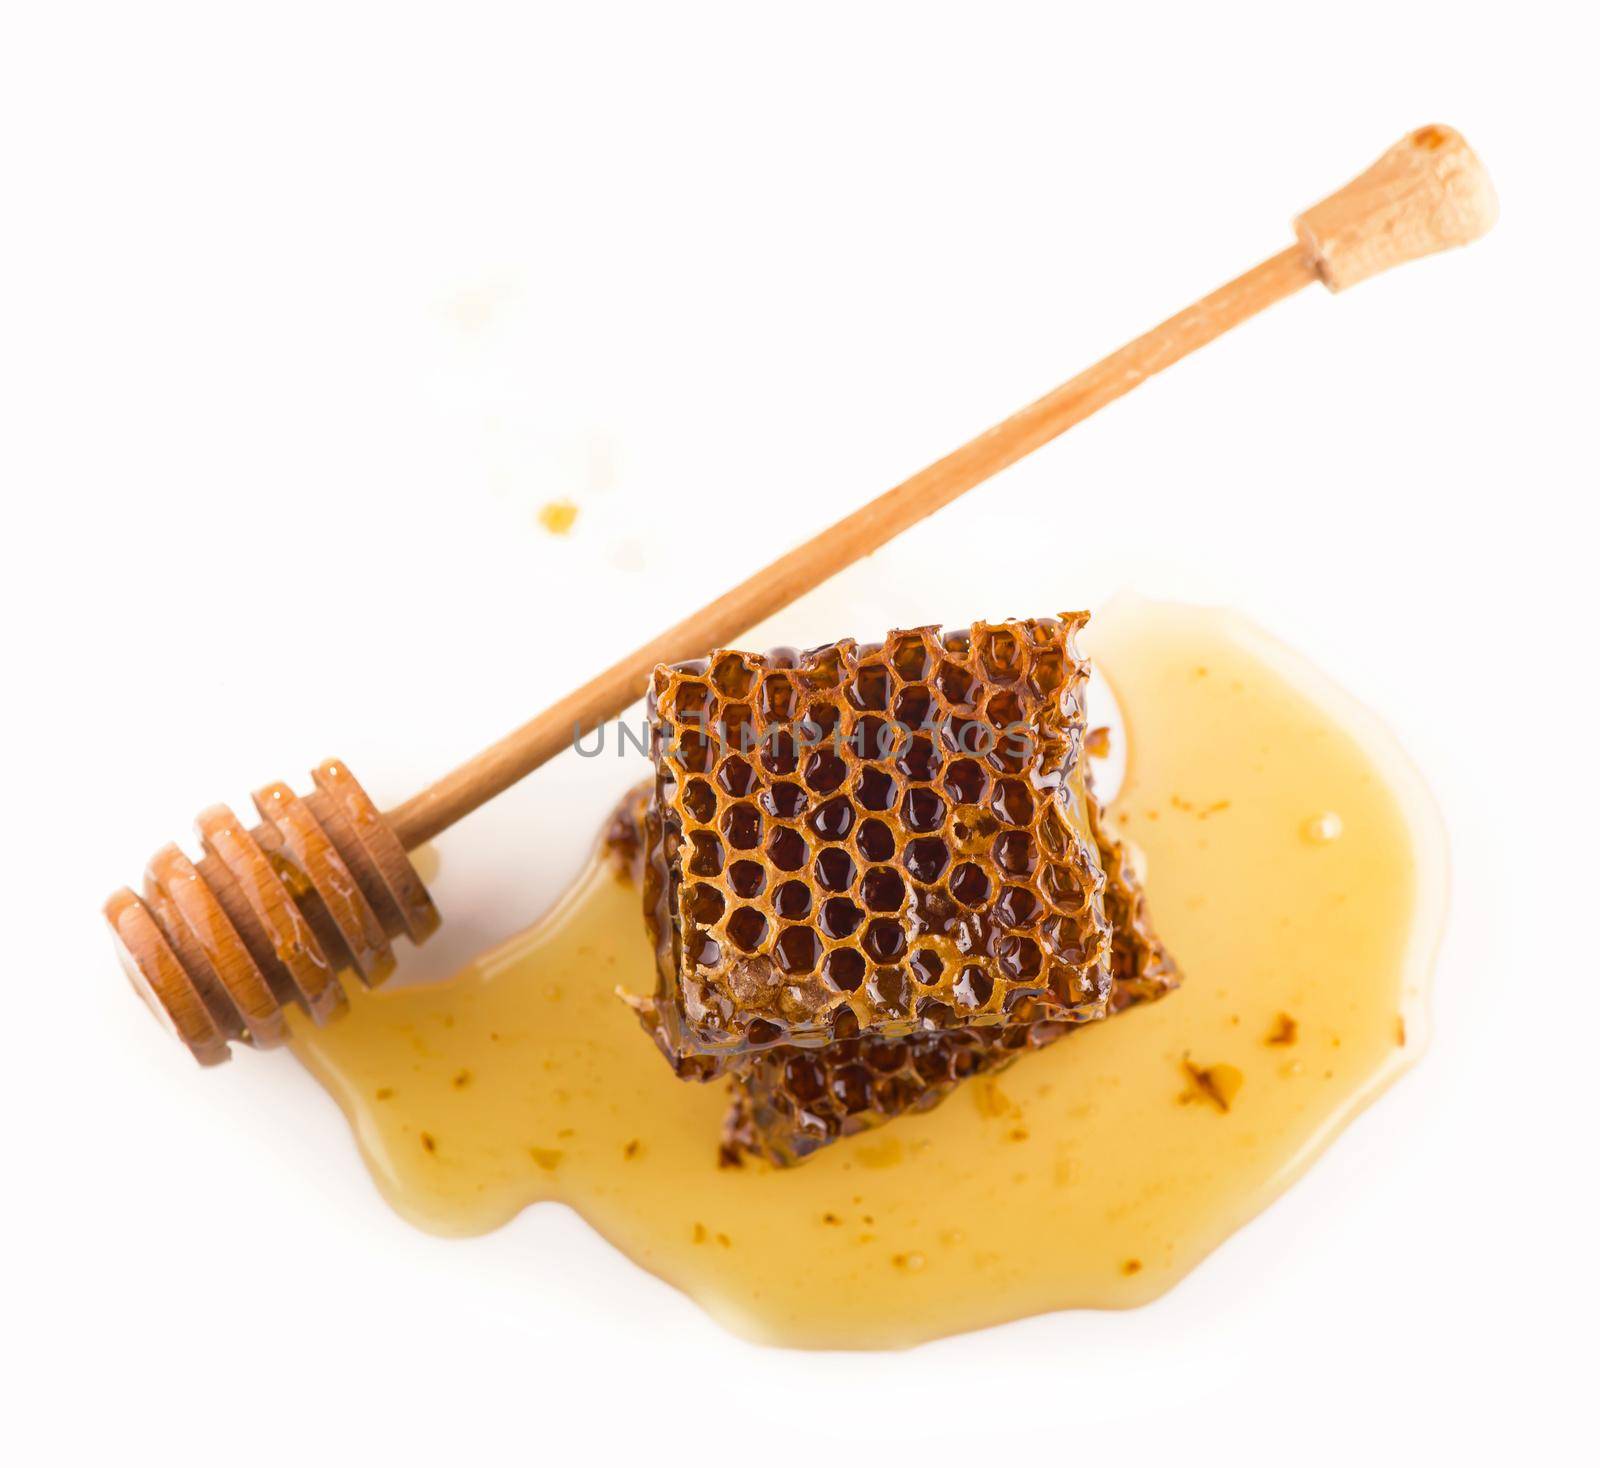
(304, 311)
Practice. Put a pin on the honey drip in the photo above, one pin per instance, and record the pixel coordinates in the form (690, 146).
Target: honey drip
(1296, 869)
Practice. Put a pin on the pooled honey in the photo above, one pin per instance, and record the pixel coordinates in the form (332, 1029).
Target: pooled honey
(1294, 866)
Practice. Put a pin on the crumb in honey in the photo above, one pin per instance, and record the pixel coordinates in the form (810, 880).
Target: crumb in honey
(1400, 1029)
(558, 516)
(1285, 1030)
(1097, 742)
(631, 1149)
(546, 1158)
(384, 1093)
(991, 1100)
(461, 1079)
(1132, 1266)
(430, 1143)
(1218, 1084)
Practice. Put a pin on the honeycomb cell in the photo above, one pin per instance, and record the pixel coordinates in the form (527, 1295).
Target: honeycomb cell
(844, 968)
(875, 789)
(804, 1079)
(919, 759)
(798, 950)
(792, 901)
(705, 904)
(1014, 853)
(733, 675)
(890, 990)
(840, 917)
(875, 841)
(973, 987)
(700, 800)
(869, 689)
(736, 777)
(780, 755)
(1012, 801)
(1019, 958)
(926, 858)
(748, 928)
(969, 884)
(851, 1086)
(1062, 888)
(955, 685)
(884, 940)
(923, 810)
(883, 889)
(1016, 907)
(960, 735)
(778, 699)
(737, 728)
(694, 751)
(873, 738)
(926, 967)
(825, 771)
(741, 825)
(702, 950)
(1001, 653)
(833, 819)
(844, 807)
(785, 800)
(821, 725)
(1047, 673)
(692, 701)
(706, 860)
(913, 708)
(909, 656)
(835, 871)
(787, 849)
(747, 879)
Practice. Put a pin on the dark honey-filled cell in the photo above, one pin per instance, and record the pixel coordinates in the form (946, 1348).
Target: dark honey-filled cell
(787, 1103)
(848, 837)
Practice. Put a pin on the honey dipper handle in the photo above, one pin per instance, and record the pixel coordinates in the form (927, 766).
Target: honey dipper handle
(1426, 193)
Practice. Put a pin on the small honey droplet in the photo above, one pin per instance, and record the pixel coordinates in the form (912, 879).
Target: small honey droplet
(558, 517)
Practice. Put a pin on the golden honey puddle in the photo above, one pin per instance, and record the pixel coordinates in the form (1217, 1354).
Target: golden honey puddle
(1296, 869)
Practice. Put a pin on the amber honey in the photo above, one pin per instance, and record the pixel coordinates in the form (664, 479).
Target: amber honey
(1295, 868)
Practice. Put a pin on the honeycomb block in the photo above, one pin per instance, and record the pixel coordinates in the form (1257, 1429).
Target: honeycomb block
(876, 840)
(788, 1103)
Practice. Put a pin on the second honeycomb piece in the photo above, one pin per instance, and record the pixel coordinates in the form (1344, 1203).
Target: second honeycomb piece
(788, 1103)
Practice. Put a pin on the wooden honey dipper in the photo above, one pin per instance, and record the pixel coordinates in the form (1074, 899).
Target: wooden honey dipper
(276, 914)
